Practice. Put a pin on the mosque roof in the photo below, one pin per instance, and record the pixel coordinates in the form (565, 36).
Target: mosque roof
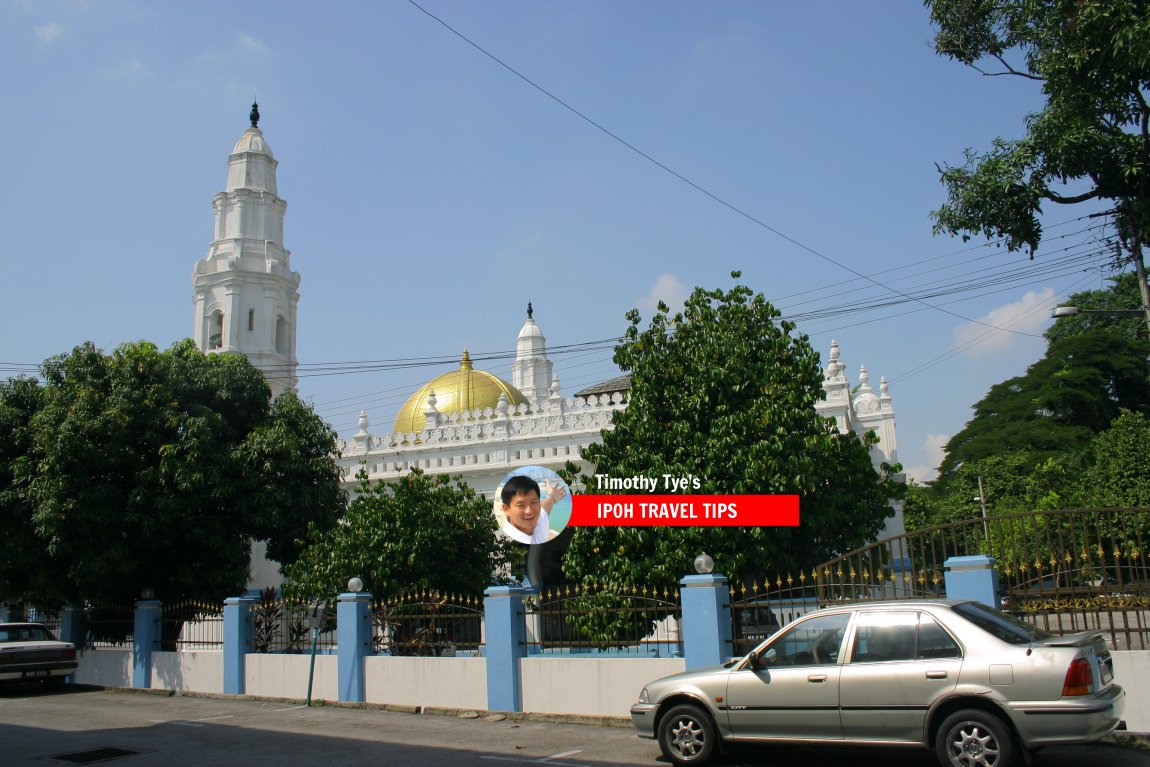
(610, 386)
(463, 389)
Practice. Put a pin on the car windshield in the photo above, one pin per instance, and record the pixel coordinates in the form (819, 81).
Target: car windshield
(24, 634)
(1005, 627)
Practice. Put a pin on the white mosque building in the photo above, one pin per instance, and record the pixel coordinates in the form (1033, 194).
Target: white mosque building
(466, 422)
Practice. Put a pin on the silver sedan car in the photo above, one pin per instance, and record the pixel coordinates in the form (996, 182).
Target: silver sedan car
(978, 686)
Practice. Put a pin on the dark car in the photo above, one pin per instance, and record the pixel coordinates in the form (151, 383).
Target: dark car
(29, 652)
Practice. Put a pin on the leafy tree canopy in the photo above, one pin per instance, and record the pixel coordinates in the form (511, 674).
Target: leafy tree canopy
(1091, 142)
(422, 531)
(1075, 391)
(1119, 475)
(23, 570)
(723, 392)
(150, 469)
(1011, 481)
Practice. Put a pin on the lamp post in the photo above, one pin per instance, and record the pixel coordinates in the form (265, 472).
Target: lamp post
(1071, 311)
(982, 503)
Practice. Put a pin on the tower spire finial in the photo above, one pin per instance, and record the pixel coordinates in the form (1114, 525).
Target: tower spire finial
(530, 311)
(255, 115)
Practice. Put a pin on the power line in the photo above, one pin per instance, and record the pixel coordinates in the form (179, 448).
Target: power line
(680, 176)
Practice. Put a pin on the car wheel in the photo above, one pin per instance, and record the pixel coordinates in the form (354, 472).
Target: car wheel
(974, 738)
(687, 736)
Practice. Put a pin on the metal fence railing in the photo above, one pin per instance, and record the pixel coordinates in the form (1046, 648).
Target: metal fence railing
(281, 626)
(187, 626)
(1064, 570)
(610, 618)
(428, 623)
(49, 618)
(109, 626)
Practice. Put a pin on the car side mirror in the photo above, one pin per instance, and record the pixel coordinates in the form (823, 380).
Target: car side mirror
(762, 659)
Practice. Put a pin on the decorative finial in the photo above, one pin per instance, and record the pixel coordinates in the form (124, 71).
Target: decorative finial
(255, 115)
(465, 363)
(530, 311)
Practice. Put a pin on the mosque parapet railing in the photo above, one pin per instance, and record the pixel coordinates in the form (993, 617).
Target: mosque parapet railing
(590, 414)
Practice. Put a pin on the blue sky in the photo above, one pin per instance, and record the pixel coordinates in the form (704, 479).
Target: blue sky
(431, 191)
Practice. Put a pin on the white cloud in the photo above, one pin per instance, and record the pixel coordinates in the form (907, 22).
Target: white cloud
(934, 450)
(1027, 315)
(242, 44)
(131, 69)
(250, 43)
(49, 33)
(667, 288)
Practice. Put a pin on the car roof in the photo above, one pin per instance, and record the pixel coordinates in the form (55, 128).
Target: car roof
(899, 604)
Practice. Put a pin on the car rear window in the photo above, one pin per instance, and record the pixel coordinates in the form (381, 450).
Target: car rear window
(23, 634)
(999, 624)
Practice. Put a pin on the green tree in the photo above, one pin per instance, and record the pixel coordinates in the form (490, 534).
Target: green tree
(419, 532)
(723, 392)
(1091, 142)
(23, 570)
(1075, 391)
(1120, 475)
(1010, 482)
(155, 470)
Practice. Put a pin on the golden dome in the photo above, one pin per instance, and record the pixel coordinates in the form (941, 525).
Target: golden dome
(463, 389)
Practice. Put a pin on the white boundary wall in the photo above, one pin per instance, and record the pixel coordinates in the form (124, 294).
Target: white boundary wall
(1132, 671)
(193, 671)
(433, 682)
(276, 675)
(591, 686)
(108, 668)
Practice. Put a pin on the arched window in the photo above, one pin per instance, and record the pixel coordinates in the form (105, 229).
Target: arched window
(216, 330)
(283, 343)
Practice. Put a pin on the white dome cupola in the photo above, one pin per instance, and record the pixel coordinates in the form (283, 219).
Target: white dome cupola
(531, 373)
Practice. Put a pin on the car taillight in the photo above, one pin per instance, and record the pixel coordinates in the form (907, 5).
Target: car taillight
(1079, 679)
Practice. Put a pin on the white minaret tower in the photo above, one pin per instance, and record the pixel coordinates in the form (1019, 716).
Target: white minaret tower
(531, 371)
(245, 291)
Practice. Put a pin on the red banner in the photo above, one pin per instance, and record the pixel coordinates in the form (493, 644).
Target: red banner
(684, 510)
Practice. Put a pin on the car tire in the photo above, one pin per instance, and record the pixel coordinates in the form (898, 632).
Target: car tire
(974, 738)
(687, 736)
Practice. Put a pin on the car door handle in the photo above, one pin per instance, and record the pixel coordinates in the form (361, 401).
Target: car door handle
(936, 675)
(817, 678)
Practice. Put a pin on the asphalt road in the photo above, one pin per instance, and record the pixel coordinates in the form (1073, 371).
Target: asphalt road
(39, 727)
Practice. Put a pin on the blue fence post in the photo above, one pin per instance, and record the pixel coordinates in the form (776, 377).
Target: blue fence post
(237, 642)
(706, 620)
(145, 637)
(353, 632)
(505, 629)
(974, 577)
(72, 629)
